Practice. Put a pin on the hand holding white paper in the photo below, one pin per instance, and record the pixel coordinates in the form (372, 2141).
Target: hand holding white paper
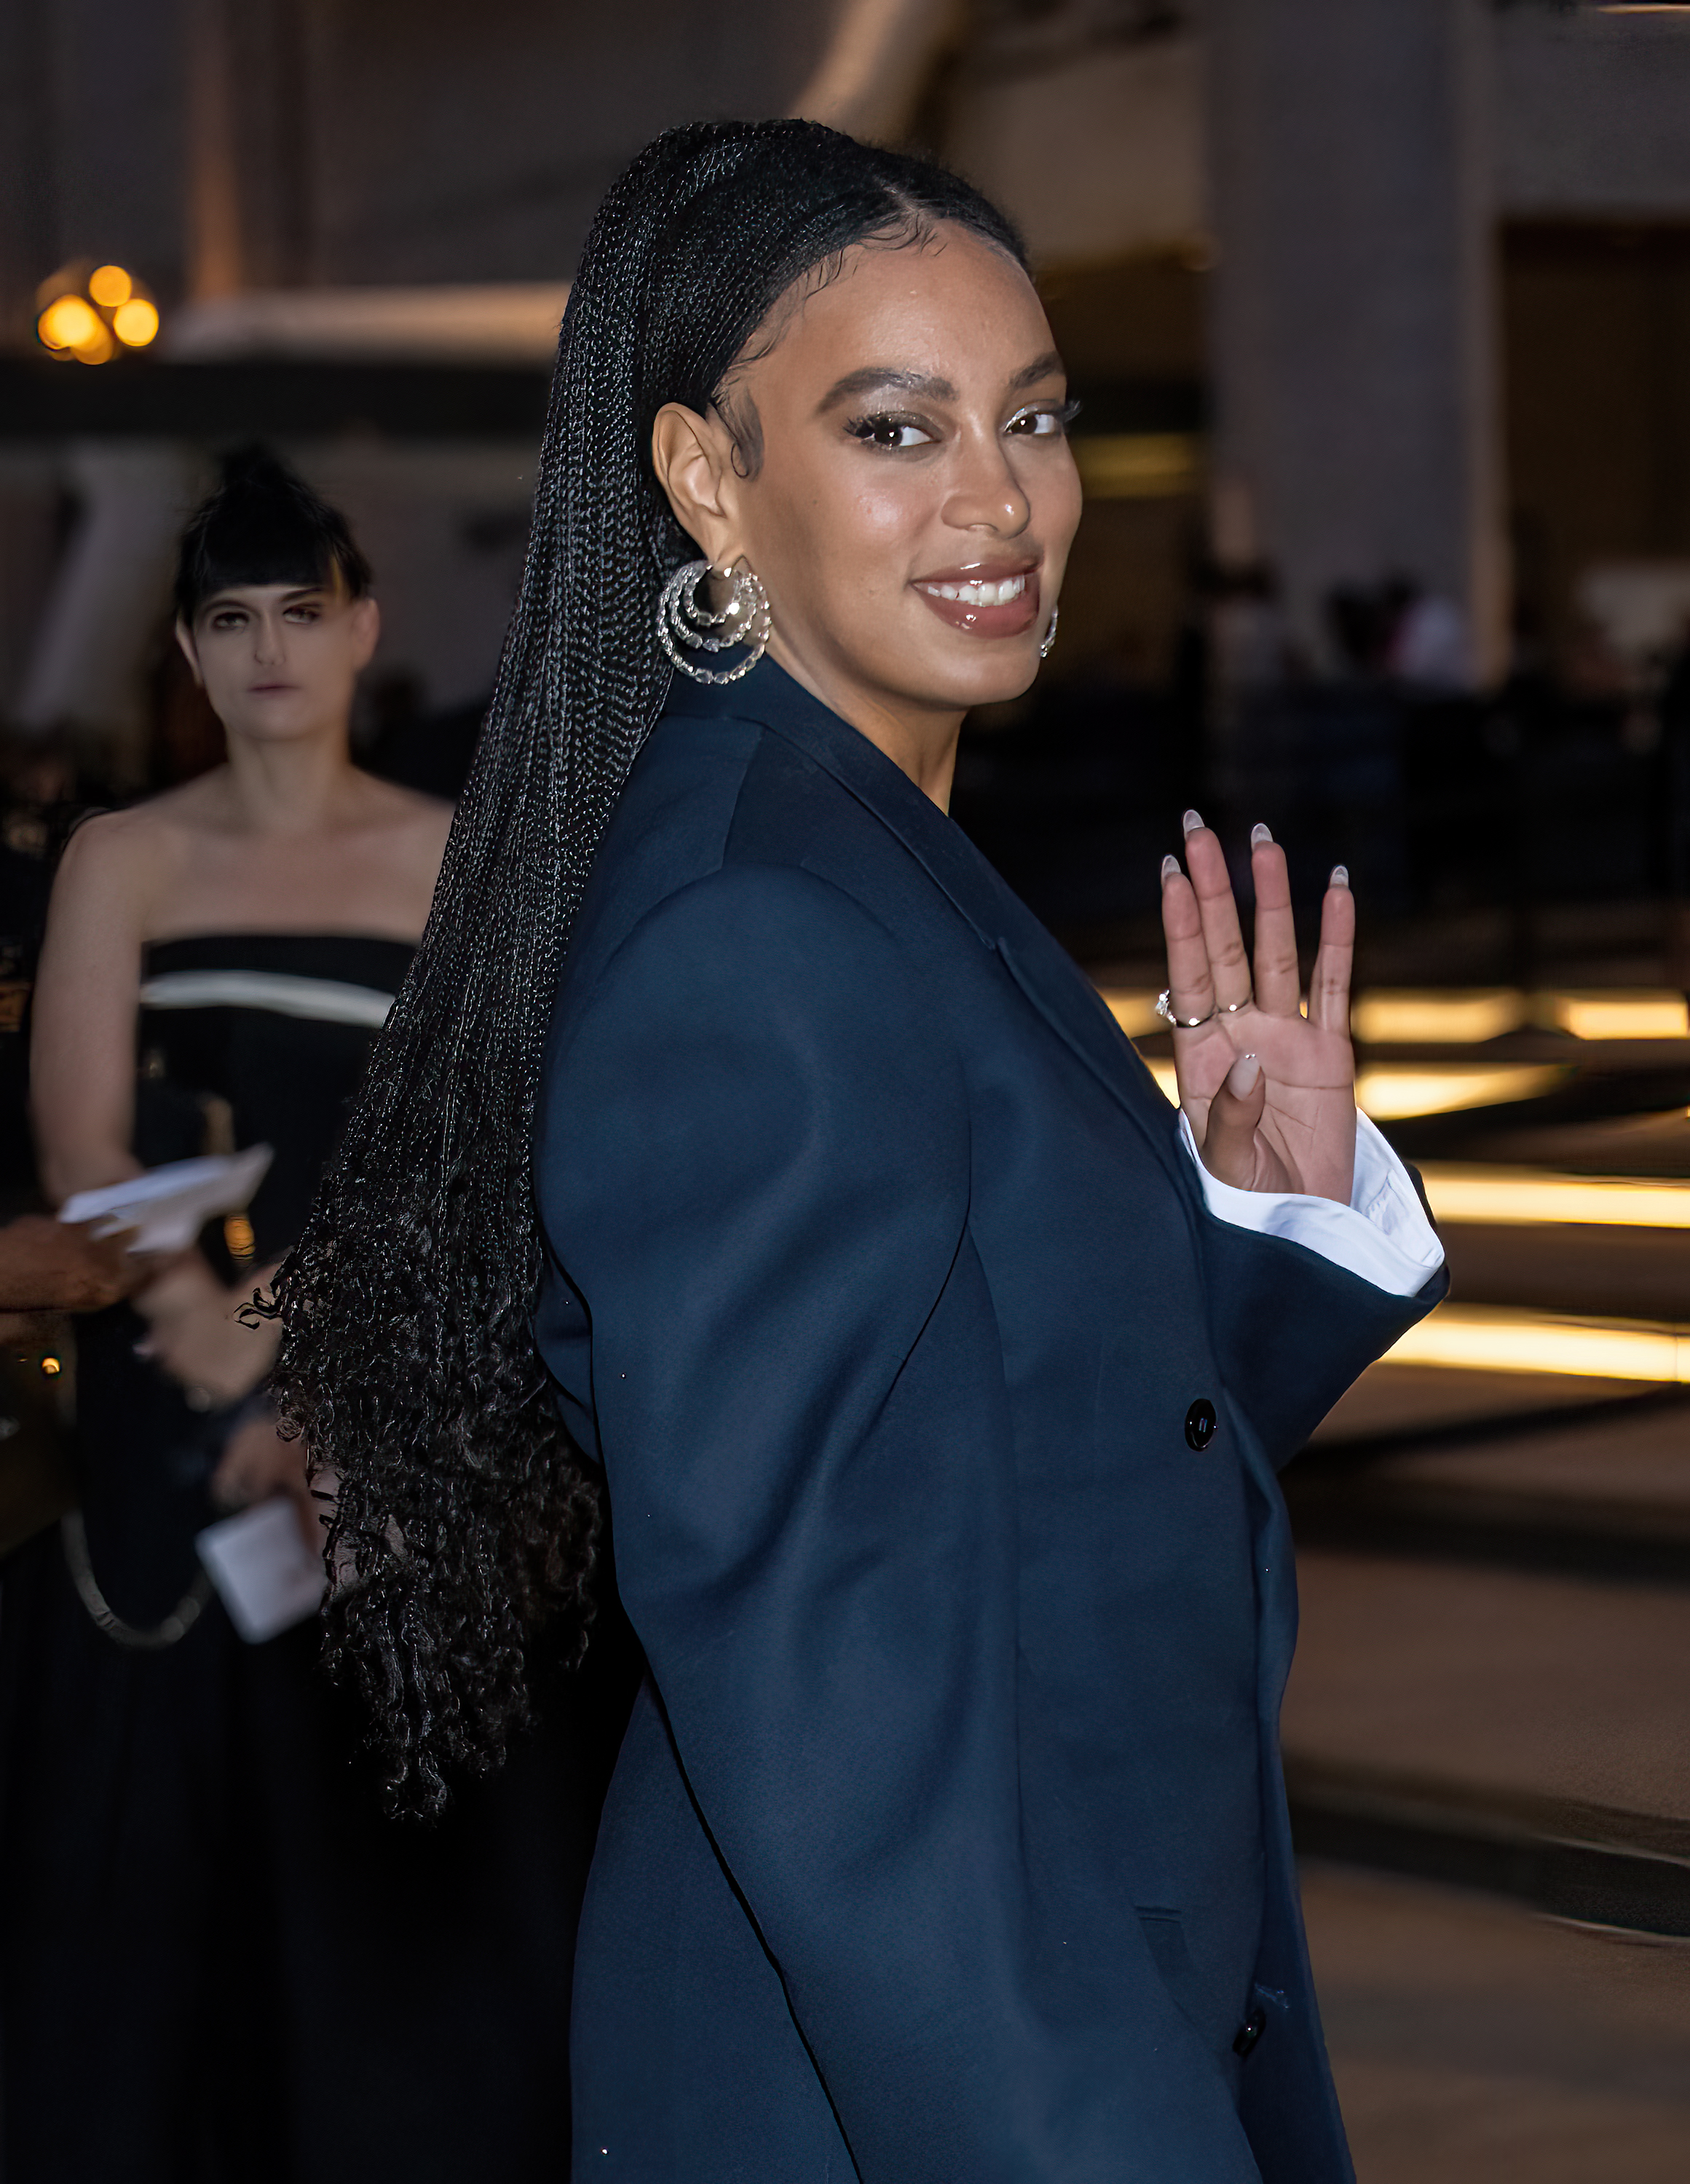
(168, 1206)
(266, 1575)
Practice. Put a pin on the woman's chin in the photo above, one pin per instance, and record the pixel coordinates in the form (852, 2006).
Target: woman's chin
(1005, 671)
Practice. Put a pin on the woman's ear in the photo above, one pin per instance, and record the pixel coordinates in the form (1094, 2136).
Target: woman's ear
(366, 630)
(693, 458)
(190, 651)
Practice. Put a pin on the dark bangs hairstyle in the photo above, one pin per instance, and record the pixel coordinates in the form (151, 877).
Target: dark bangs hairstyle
(463, 1516)
(264, 525)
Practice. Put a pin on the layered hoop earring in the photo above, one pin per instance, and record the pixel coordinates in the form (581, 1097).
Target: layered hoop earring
(682, 621)
(1046, 648)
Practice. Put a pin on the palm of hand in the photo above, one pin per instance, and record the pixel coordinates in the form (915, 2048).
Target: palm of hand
(1293, 1128)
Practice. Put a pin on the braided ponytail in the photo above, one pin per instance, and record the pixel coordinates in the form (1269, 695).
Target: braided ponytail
(463, 1515)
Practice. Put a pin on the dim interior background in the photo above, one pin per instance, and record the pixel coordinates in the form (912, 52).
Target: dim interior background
(1380, 313)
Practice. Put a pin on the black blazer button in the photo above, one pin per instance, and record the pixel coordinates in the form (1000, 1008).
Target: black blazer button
(1200, 1424)
(1254, 2026)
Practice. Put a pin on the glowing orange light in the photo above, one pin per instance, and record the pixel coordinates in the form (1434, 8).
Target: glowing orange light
(110, 286)
(51, 1367)
(134, 322)
(100, 350)
(69, 323)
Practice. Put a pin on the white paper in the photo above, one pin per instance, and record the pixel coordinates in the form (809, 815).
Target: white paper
(266, 1575)
(168, 1206)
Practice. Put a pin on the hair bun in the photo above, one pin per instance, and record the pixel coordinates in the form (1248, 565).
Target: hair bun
(254, 464)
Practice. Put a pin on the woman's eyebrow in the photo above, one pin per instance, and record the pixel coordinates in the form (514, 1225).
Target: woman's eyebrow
(874, 377)
(1049, 365)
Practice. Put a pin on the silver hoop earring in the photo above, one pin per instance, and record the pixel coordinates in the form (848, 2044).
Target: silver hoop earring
(682, 620)
(1046, 648)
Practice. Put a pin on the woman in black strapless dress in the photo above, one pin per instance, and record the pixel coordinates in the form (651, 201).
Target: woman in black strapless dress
(219, 1961)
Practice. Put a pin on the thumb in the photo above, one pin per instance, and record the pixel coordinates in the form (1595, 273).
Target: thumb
(1228, 1146)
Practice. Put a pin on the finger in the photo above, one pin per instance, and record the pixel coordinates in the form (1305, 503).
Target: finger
(1191, 989)
(1222, 936)
(1229, 1146)
(1279, 989)
(1329, 984)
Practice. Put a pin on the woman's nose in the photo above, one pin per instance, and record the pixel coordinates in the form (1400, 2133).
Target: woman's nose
(987, 495)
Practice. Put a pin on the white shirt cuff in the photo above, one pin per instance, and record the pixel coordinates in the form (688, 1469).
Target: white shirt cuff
(1382, 1234)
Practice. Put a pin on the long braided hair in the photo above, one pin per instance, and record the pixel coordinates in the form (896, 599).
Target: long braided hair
(463, 1515)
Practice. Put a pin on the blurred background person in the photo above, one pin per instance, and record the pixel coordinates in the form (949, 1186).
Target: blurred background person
(189, 1853)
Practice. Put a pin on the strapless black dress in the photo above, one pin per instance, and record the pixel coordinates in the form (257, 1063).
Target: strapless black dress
(218, 1961)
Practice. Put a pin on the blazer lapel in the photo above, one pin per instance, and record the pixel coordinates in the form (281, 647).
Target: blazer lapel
(1045, 974)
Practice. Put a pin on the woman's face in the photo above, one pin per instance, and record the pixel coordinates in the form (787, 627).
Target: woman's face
(910, 496)
(281, 661)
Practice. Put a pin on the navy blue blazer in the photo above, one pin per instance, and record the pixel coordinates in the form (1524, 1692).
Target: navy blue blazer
(948, 1843)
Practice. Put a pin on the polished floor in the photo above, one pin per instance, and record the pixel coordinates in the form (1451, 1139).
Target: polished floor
(1488, 1729)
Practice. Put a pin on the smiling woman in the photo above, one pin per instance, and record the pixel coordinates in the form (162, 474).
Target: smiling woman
(747, 1166)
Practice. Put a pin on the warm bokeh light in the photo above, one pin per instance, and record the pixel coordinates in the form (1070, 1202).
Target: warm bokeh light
(1645, 1014)
(1534, 1197)
(99, 350)
(111, 286)
(1390, 1092)
(1138, 465)
(1134, 1012)
(1394, 1016)
(69, 322)
(1487, 1339)
(136, 322)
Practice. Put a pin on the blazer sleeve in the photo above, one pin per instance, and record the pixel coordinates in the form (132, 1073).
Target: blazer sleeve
(1292, 1330)
(754, 1173)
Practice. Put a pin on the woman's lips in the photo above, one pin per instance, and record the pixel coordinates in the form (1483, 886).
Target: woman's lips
(984, 605)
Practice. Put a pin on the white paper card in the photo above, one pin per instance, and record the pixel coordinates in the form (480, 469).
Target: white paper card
(266, 1575)
(168, 1206)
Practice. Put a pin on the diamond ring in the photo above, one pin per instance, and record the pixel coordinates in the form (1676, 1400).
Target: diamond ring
(1164, 1009)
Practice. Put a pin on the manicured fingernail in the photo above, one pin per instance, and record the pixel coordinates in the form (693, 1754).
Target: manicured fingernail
(1192, 822)
(1241, 1078)
(1341, 876)
(1259, 834)
(1170, 867)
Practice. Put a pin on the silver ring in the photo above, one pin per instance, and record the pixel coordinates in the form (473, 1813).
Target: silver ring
(1181, 1023)
(1164, 1010)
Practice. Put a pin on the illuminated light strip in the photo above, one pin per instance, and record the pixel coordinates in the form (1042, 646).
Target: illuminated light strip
(1390, 1092)
(1138, 465)
(1615, 1015)
(1534, 1197)
(1403, 1018)
(1134, 1011)
(1481, 1339)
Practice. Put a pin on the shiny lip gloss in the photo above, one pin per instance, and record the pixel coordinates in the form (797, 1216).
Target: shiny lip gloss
(984, 615)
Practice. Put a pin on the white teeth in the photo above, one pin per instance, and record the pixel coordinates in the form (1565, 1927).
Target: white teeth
(980, 595)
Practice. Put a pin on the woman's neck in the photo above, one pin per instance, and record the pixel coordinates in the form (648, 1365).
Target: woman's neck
(920, 742)
(291, 786)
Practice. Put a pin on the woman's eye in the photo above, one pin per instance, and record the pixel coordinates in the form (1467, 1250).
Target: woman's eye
(1042, 424)
(889, 433)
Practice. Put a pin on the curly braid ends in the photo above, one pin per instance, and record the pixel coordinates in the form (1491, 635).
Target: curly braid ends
(463, 1515)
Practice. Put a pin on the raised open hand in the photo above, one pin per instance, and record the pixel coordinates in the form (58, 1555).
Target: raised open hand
(1270, 1093)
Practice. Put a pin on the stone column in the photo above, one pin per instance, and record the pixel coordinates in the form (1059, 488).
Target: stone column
(1353, 326)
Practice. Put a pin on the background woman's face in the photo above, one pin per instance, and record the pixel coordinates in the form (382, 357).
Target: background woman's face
(280, 661)
(916, 497)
